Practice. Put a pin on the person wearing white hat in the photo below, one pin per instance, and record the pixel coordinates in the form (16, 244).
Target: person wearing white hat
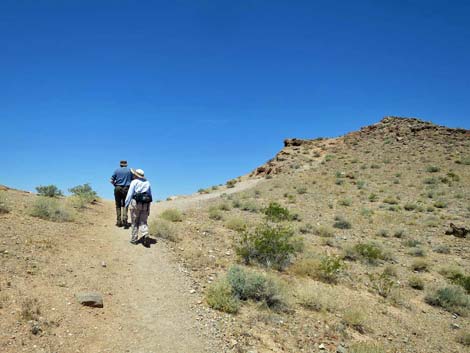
(139, 198)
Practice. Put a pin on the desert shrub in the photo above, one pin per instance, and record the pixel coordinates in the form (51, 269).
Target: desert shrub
(431, 181)
(329, 268)
(399, 233)
(162, 229)
(256, 286)
(442, 249)
(306, 228)
(367, 348)
(219, 296)
(419, 265)
(82, 195)
(390, 200)
(236, 224)
(270, 246)
(341, 223)
(456, 276)
(360, 184)
(411, 243)
(410, 206)
(276, 213)
(345, 202)
(4, 204)
(30, 309)
(49, 191)
(440, 204)
(50, 209)
(382, 283)
(215, 214)
(373, 197)
(84, 191)
(452, 299)
(463, 338)
(463, 160)
(224, 206)
(417, 251)
(249, 206)
(355, 318)
(339, 181)
(302, 190)
(416, 282)
(172, 215)
(382, 233)
(432, 169)
(324, 231)
(203, 191)
(369, 252)
(231, 183)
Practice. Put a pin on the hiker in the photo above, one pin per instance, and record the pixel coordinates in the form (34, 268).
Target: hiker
(138, 200)
(121, 179)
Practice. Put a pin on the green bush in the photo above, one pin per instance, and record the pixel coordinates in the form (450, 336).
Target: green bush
(270, 246)
(324, 231)
(172, 215)
(215, 214)
(83, 195)
(369, 252)
(382, 283)
(219, 296)
(49, 191)
(345, 202)
(162, 229)
(419, 265)
(341, 223)
(464, 338)
(452, 299)
(231, 183)
(4, 204)
(329, 268)
(50, 209)
(255, 286)
(432, 169)
(416, 282)
(224, 206)
(276, 213)
(249, 206)
(236, 224)
(373, 197)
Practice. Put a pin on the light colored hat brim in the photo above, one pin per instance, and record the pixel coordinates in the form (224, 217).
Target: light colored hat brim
(133, 171)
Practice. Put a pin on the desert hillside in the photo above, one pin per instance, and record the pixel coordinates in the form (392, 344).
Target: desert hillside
(353, 244)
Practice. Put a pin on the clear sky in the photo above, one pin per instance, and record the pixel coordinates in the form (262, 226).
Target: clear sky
(196, 92)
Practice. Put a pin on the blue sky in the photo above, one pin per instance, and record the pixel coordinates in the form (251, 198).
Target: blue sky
(197, 92)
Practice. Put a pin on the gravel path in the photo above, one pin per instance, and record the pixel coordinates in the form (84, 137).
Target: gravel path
(155, 306)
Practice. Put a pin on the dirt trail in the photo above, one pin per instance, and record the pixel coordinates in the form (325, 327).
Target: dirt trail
(151, 298)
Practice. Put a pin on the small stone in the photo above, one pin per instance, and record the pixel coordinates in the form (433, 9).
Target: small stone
(92, 299)
(103, 264)
(454, 326)
(341, 349)
(321, 346)
(35, 329)
(192, 291)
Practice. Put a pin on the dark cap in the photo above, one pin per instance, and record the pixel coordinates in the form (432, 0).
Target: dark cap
(123, 163)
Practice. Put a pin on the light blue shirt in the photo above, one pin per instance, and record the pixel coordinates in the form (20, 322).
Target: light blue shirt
(137, 185)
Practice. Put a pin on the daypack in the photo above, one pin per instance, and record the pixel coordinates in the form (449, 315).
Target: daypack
(142, 197)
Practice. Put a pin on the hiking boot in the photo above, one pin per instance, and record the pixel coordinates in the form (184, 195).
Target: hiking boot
(127, 225)
(134, 242)
(119, 224)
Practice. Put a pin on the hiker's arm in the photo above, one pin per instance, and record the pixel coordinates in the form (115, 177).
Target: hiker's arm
(113, 178)
(130, 193)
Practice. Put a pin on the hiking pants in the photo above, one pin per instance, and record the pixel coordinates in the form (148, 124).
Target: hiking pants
(120, 193)
(139, 215)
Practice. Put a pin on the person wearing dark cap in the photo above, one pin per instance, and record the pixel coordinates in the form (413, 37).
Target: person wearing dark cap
(121, 179)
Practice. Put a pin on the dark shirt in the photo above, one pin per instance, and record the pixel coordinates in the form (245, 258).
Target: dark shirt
(122, 177)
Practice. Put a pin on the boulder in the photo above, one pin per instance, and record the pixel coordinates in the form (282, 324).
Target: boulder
(92, 299)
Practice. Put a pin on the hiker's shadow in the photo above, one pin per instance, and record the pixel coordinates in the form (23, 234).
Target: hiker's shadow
(147, 242)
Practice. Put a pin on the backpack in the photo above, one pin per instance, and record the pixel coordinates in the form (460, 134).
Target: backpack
(142, 197)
